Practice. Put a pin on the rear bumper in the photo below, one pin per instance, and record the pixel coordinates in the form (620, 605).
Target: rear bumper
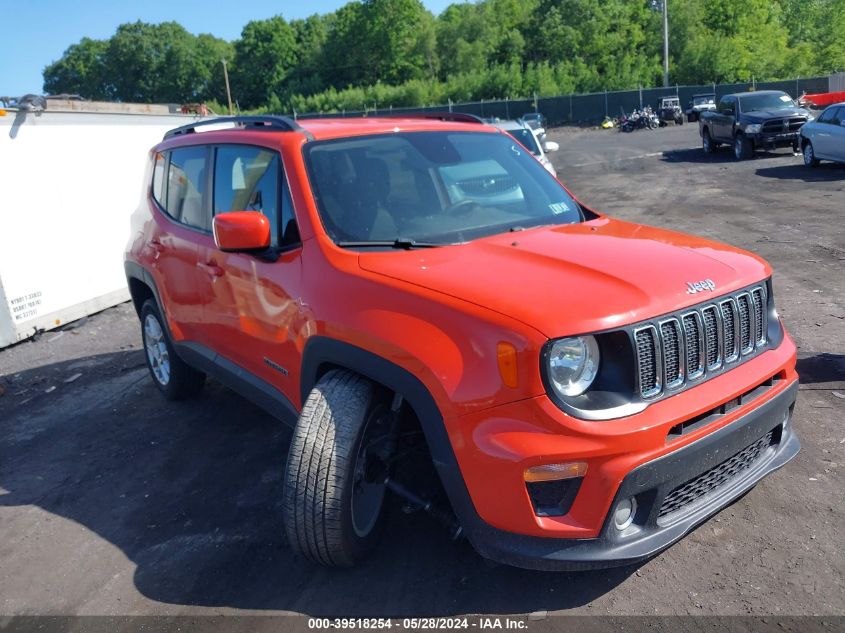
(766, 428)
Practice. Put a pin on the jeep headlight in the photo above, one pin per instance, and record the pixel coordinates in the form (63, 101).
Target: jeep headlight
(753, 128)
(573, 365)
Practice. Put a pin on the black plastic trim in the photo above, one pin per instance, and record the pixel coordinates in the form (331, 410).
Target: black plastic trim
(323, 353)
(649, 483)
(238, 379)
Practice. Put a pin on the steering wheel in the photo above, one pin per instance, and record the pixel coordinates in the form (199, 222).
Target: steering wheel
(464, 205)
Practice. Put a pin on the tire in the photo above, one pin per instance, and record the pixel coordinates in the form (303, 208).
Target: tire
(707, 143)
(743, 149)
(810, 159)
(174, 377)
(333, 512)
(679, 121)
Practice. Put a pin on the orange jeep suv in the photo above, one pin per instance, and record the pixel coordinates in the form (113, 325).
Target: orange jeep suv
(419, 292)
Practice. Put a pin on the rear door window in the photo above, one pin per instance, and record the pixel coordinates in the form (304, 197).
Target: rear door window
(185, 199)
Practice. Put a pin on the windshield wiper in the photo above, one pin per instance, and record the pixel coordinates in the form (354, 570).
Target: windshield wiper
(399, 242)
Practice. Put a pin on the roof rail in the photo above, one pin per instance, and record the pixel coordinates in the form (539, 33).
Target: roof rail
(269, 123)
(456, 117)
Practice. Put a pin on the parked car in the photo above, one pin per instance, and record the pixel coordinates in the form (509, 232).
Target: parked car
(753, 120)
(824, 138)
(700, 103)
(669, 109)
(535, 121)
(583, 391)
(533, 141)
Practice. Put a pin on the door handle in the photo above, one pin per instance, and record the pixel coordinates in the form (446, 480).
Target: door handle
(212, 269)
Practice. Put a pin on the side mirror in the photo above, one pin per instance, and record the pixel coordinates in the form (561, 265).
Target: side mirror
(728, 111)
(550, 146)
(241, 231)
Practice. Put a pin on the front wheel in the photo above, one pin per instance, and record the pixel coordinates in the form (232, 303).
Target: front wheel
(707, 142)
(810, 159)
(334, 493)
(743, 149)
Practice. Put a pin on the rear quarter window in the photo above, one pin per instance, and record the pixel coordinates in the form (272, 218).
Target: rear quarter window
(159, 164)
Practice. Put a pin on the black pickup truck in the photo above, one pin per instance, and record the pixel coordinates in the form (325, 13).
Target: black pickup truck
(753, 120)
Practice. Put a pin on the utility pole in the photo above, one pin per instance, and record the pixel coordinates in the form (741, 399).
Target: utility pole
(228, 91)
(665, 43)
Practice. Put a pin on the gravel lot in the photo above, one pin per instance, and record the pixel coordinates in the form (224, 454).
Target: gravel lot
(113, 501)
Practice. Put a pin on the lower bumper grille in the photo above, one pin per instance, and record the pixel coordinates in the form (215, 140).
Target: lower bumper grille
(696, 488)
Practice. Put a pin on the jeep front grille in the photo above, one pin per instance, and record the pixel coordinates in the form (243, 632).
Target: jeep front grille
(706, 338)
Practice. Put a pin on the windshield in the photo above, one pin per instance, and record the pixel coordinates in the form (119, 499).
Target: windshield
(702, 100)
(527, 138)
(779, 101)
(432, 187)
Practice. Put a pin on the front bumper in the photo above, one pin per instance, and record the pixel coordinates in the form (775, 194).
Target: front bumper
(770, 141)
(651, 483)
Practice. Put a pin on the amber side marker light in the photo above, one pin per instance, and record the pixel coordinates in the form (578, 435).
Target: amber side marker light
(506, 354)
(555, 472)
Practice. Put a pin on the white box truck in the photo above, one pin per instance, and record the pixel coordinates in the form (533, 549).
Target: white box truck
(70, 176)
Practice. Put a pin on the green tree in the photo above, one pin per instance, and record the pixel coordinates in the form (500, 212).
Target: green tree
(153, 63)
(264, 56)
(81, 70)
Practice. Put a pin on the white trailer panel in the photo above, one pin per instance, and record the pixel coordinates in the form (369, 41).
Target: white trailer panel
(68, 184)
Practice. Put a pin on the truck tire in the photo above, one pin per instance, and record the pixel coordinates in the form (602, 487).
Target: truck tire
(810, 159)
(174, 377)
(333, 510)
(707, 143)
(743, 149)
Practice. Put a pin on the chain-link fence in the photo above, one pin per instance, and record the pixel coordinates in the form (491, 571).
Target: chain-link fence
(586, 108)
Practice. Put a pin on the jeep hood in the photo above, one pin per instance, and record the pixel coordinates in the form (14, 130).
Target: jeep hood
(575, 278)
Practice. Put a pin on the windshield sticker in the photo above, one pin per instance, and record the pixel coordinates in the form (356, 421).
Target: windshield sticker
(559, 207)
(785, 98)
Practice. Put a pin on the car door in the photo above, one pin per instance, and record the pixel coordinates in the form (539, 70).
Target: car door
(179, 193)
(251, 300)
(726, 116)
(827, 133)
(837, 137)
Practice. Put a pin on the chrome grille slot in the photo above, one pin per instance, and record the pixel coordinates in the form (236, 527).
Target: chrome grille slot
(672, 339)
(694, 337)
(712, 337)
(746, 323)
(648, 361)
(758, 295)
(674, 351)
(730, 335)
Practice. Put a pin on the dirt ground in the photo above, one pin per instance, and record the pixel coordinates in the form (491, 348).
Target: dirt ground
(113, 501)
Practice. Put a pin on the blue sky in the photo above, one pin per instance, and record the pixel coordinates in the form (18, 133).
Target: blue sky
(34, 33)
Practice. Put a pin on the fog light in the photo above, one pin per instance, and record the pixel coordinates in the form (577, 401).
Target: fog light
(623, 515)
